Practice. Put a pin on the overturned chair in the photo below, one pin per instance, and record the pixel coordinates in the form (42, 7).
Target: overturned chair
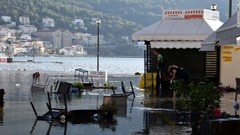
(127, 93)
(52, 113)
(39, 87)
(62, 87)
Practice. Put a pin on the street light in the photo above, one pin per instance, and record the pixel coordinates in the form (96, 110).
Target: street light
(33, 42)
(230, 8)
(98, 21)
(213, 7)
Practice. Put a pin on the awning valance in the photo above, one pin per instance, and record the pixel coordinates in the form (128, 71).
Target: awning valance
(177, 45)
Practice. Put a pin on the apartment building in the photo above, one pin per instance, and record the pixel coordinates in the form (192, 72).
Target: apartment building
(27, 29)
(6, 18)
(59, 38)
(24, 20)
(48, 22)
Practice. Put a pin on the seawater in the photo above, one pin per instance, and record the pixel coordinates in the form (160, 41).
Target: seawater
(143, 114)
(69, 64)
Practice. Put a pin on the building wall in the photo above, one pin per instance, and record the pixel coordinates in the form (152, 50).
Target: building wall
(190, 59)
(57, 39)
(24, 20)
(67, 38)
(229, 65)
(48, 22)
(28, 29)
(43, 34)
(6, 18)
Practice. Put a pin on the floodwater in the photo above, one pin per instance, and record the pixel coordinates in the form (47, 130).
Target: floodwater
(142, 115)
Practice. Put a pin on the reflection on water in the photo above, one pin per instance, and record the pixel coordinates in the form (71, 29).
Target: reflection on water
(1, 116)
(142, 115)
(51, 124)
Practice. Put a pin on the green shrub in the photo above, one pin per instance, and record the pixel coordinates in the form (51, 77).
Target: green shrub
(197, 96)
(108, 84)
(78, 84)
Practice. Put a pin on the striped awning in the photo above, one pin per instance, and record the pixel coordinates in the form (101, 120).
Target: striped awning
(177, 45)
(178, 30)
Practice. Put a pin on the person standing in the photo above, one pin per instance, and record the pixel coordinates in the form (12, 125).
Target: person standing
(160, 66)
(36, 77)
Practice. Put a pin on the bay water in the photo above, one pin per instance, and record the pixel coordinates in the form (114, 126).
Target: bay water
(69, 64)
(143, 114)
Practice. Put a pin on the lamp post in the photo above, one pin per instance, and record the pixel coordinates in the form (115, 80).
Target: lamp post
(98, 21)
(33, 50)
(230, 8)
(213, 7)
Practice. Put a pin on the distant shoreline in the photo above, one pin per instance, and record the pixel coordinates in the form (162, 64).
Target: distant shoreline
(116, 66)
(90, 56)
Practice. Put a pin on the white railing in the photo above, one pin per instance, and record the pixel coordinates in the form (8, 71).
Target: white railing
(98, 74)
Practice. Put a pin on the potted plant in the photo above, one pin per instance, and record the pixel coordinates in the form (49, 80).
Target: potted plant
(108, 84)
(197, 98)
(108, 110)
(78, 85)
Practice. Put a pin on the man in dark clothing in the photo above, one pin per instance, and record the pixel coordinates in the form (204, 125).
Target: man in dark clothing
(160, 67)
(178, 74)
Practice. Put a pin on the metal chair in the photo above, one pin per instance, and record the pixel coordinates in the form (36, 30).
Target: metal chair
(129, 92)
(236, 105)
(237, 88)
(62, 88)
(53, 113)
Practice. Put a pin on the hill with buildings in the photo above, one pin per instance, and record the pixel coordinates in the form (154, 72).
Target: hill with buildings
(119, 18)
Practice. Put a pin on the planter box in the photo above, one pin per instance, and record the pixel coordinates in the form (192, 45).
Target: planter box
(120, 101)
(1, 97)
(81, 116)
(9, 60)
(221, 127)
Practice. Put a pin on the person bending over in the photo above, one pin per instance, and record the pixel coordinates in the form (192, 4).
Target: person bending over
(178, 74)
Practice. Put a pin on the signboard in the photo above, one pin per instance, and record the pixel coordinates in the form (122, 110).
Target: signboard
(191, 14)
(150, 80)
(238, 40)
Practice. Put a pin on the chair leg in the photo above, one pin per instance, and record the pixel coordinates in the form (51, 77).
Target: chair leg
(35, 112)
(123, 87)
(132, 89)
(49, 100)
(236, 96)
(113, 90)
(65, 102)
(50, 110)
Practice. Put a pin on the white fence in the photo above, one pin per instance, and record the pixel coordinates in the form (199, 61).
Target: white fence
(98, 74)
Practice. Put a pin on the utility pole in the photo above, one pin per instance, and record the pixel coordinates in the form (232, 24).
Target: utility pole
(98, 21)
(230, 8)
